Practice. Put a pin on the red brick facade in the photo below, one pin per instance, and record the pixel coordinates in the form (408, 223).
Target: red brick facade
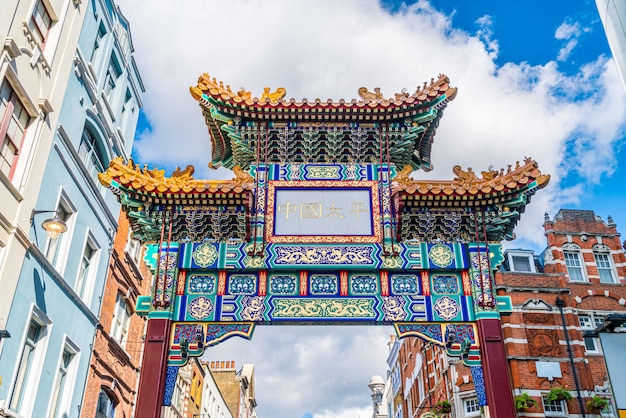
(584, 268)
(118, 344)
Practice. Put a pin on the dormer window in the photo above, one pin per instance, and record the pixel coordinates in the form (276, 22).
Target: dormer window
(520, 261)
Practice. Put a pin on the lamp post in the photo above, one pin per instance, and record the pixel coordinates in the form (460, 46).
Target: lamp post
(53, 226)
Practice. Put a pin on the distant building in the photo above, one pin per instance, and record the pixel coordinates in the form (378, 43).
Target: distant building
(213, 404)
(57, 297)
(613, 16)
(582, 273)
(237, 387)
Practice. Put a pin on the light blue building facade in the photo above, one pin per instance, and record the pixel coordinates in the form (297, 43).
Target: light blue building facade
(55, 310)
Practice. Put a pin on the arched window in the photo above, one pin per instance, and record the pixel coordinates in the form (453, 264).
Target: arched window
(106, 405)
(91, 154)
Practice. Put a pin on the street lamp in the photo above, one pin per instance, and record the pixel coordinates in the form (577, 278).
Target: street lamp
(53, 226)
(4, 334)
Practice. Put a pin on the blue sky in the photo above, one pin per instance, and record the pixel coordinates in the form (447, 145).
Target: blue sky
(535, 79)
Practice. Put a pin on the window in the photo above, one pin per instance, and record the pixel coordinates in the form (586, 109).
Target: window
(121, 318)
(97, 44)
(40, 22)
(13, 122)
(53, 243)
(605, 270)
(574, 266)
(554, 408)
(60, 382)
(114, 72)
(471, 408)
(106, 405)
(33, 337)
(589, 323)
(521, 263)
(133, 247)
(84, 271)
(91, 155)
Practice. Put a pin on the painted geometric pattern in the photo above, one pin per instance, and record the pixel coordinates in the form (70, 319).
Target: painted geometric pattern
(481, 279)
(299, 255)
(242, 284)
(325, 172)
(259, 309)
(283, 285)
(479, 384)
(235, 255)
(170, 382)
(405, 284)
(323, 284)
(363, 284)
(447, 308)
(202, 283)
(445, 284)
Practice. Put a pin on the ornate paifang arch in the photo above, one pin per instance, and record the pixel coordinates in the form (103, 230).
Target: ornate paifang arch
(320, 225)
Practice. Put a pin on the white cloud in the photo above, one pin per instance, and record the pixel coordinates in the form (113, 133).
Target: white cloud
(567, 30)
(325, 48)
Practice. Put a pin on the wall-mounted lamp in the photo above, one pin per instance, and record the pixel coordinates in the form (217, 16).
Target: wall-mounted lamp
(53, 226)
(4, 334)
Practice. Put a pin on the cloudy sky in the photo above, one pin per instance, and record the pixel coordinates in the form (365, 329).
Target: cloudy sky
(535, 79)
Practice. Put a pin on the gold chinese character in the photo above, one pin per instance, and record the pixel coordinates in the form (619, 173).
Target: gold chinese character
(358, 208)
(334, 211)
(310, 210)
(287, 208)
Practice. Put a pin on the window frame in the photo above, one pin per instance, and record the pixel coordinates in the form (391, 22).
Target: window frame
(120, 323)
(10, 124)
(591, 321)
(62, 405)
(63, 241)
(89, 272)
(111, 404)
(562, 405)
(608, 268)
(32, 376)
(466, 403)
(577, 257)
(35, 27)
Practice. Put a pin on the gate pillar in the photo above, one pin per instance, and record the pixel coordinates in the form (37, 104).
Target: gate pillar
(153, 367)
(496, 369)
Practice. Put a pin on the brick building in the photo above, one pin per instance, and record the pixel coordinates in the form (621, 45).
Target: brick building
(237, 387)
(116, 356)
(561, 299)
(581, 274)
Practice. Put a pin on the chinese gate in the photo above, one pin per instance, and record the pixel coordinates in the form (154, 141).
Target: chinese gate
(321, 226)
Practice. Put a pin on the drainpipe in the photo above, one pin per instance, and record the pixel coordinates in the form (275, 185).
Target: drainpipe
(561, 303)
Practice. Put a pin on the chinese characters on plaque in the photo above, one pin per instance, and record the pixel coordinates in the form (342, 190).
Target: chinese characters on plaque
(323, 212)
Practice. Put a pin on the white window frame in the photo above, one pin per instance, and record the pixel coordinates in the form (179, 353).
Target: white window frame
(64, 240)
(559, 404)
(121, 320)
(471, 402)
(133, 247)
(64, 401)
(588, 322)
(526, 254)
(86, 287)
(607, 264)
(570, 264)
(33, 376)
